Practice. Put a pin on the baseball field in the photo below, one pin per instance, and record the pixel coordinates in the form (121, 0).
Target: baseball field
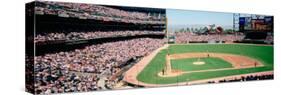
(220, 60)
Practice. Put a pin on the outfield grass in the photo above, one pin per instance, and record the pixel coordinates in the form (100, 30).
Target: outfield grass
(262, 53)
(210, 63)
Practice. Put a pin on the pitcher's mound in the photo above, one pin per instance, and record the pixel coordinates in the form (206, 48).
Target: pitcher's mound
(199, 63)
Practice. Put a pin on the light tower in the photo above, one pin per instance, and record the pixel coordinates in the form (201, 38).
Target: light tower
(236, 17)
(168, 68)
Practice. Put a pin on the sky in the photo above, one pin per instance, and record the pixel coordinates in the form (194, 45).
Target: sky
(187, 17)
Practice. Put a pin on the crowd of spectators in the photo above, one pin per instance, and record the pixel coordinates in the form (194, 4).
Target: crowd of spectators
(98, 12)
(89, 35)
(269, 38)
(246, 78)
(186, 37)
(82, 69)
(92, 67)
(250, 78)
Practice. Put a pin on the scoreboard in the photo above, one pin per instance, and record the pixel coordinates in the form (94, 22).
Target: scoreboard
(257, 24)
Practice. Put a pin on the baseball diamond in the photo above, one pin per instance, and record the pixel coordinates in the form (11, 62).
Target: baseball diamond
(221, 61)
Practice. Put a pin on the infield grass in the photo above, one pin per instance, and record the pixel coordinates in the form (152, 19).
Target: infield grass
(210, 63)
